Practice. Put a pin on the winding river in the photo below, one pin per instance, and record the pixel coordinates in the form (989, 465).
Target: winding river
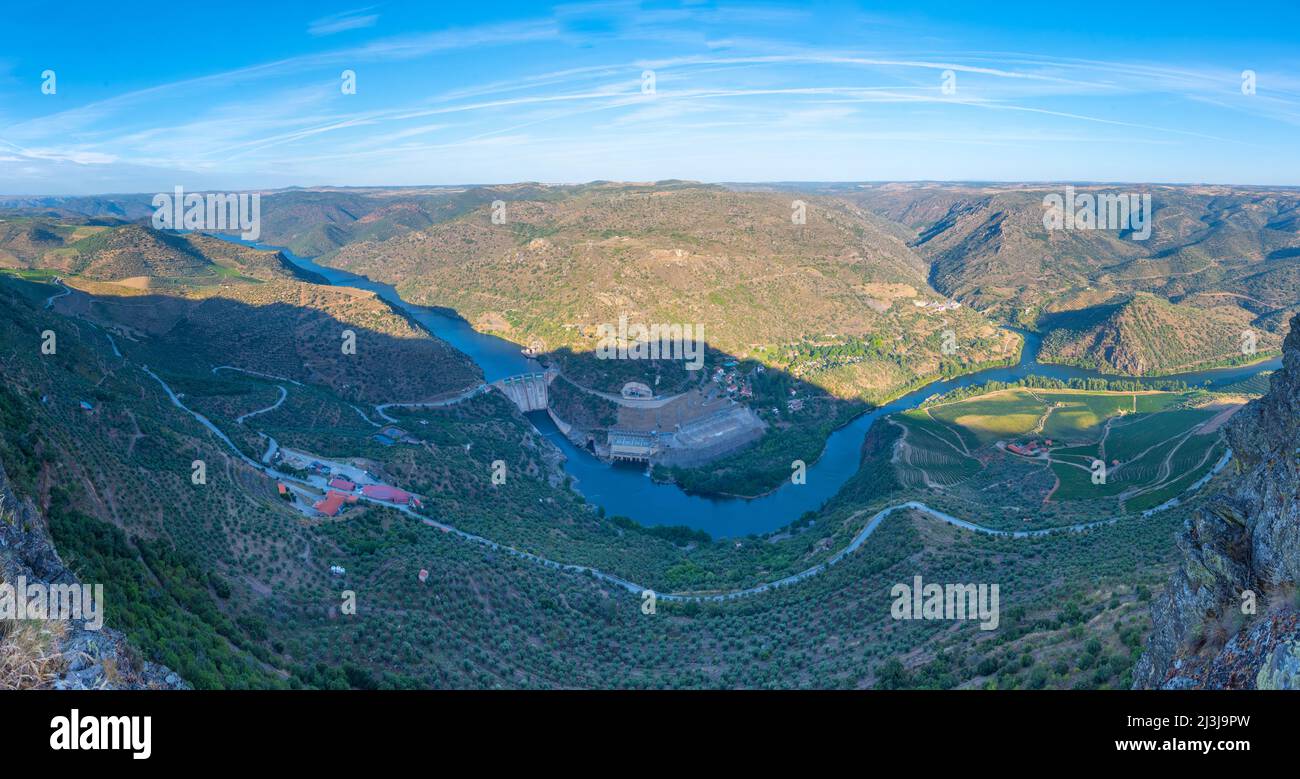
(628, 491)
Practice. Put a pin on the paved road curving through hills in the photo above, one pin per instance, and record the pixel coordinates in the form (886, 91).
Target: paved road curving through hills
(858, 539)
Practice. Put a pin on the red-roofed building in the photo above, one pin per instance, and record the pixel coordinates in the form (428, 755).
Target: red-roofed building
(385, 492)
(332, 503)
(342, 484)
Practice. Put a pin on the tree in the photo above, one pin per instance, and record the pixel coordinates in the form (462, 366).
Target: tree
(893, 676)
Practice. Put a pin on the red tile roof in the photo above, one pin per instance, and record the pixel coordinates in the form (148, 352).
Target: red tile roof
(385, 492)
(342, 484)
(331, 504)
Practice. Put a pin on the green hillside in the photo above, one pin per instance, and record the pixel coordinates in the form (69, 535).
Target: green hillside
(832, 301)
(1148, 336)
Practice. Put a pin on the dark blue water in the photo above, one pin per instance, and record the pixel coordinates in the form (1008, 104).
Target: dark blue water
(497, 357)
(628, 491)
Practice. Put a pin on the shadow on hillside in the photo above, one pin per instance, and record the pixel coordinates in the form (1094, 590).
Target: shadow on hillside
(721, 379)
(1078, 319)
(370, 355)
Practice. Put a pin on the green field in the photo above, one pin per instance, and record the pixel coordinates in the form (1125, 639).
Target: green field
(985, 419)
(1147, 440)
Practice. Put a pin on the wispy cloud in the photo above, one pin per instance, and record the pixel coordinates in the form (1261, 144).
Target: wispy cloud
(738, 94)
(356, 19)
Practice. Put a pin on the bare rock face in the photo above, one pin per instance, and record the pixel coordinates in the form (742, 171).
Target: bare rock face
(66, 654)
(1243, 545)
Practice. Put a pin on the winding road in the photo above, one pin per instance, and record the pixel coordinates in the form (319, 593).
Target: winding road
(259, 374)
(284, 393)
(461, 395)
(856, 543)
(49, 302)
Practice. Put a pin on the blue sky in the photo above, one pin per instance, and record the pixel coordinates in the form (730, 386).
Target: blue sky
(247, 95)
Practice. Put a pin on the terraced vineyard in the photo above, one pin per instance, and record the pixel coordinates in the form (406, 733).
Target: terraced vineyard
(926, 459)
(1153, 446)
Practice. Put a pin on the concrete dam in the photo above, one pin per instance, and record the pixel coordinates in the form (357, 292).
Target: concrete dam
(527, 390)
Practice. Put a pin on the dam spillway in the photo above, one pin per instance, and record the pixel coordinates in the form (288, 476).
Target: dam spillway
(527, 390)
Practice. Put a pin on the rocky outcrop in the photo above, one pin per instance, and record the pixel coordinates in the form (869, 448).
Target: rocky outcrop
(62, 654)
(1240, 550)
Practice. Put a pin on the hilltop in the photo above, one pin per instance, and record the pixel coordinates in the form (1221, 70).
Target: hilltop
(989, 244)
(219, 302)
(1224, 257)
(1145, 335)
(134, 254)
(1212, 248)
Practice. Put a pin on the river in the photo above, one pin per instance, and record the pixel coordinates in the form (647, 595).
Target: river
(628, 491)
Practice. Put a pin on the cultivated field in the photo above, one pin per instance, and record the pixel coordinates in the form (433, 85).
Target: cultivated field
(1152, 446)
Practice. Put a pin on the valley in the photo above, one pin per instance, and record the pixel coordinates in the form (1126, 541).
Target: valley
(410, 351)
(328, 470)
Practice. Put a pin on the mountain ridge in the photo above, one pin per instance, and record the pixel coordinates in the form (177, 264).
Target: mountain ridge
(1145, 335)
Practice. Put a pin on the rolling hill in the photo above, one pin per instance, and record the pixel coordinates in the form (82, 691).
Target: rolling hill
(1146, 335)
(840, 301)
(988, 244)
(134, 254)
(230, 585)
(682, 250)
(218, 302)
(1224, 257)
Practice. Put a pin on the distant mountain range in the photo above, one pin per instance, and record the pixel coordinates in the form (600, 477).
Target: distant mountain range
(1228, 258)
